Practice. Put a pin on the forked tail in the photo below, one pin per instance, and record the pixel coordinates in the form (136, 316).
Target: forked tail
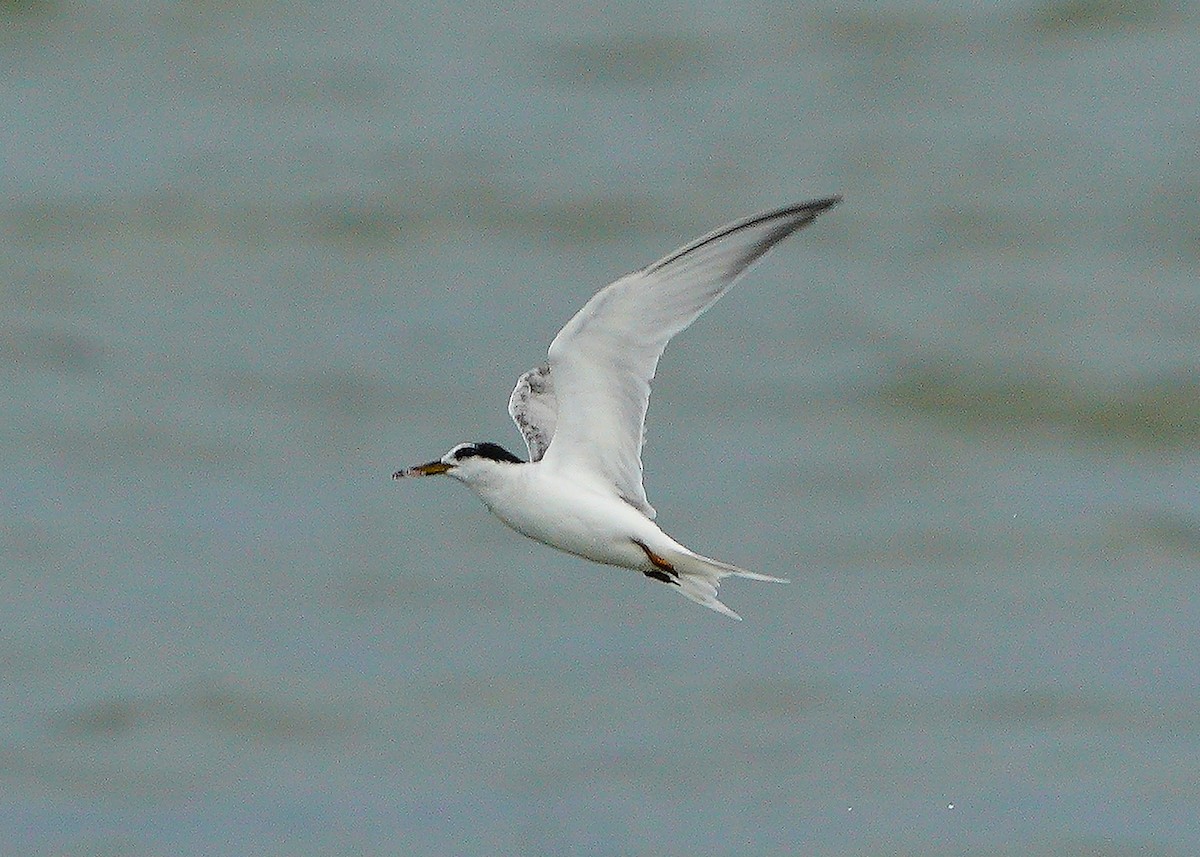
(699, 577)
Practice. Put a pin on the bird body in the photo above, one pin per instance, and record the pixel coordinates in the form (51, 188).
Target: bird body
(572, 515)
(583, 414)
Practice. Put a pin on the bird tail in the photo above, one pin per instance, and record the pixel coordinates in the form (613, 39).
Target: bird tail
(699, 577)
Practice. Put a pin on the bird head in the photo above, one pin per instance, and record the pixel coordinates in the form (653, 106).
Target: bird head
(465, 462)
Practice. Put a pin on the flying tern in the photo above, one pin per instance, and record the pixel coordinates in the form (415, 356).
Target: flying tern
(583, 414)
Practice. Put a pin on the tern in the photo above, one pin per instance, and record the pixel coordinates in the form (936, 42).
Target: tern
(583, 414)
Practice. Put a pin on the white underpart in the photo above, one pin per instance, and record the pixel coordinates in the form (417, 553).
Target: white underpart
(592, 523)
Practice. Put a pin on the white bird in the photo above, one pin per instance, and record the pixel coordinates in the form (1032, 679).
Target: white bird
(583, 414)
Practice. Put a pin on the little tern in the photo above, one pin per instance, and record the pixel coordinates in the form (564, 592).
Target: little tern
(583, 414)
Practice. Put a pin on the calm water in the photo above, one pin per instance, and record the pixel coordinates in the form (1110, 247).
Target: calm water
(257, 256)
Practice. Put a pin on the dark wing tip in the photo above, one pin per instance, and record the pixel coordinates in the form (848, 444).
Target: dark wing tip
(808, 209)
(790, 218)
(819, 205)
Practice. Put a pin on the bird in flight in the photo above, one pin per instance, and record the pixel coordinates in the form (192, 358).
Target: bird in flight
(583, 414)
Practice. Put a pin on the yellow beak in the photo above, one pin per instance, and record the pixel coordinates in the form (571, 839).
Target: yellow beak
(433, 468)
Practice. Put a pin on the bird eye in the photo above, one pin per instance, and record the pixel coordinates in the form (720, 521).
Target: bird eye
(465, 452)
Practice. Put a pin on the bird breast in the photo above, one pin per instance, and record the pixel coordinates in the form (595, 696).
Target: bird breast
(571, 515)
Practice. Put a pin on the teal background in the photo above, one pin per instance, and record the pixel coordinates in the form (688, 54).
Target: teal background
(256, 256)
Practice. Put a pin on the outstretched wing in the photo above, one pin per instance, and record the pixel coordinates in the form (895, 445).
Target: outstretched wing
(604, 357)
(533, 408)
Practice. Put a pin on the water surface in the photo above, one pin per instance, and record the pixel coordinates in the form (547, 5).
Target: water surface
(257, 257)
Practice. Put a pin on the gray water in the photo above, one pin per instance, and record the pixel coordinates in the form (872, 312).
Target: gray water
(257, 256)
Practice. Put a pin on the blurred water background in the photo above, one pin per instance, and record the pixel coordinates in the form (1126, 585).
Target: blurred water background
(256, 256)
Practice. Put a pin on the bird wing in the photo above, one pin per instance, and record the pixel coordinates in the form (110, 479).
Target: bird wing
(534, 408)
(604, 357)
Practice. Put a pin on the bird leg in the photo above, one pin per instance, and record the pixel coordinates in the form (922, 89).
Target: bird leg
(664, 571)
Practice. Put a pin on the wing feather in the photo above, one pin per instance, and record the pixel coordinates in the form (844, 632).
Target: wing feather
(603, 359)
(534, 409)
